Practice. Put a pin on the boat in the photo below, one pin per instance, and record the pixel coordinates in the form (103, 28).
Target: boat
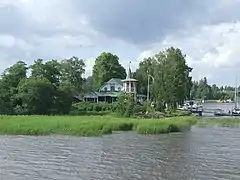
(236, 109)
(236, 112)
(218, 112)
(192, 106)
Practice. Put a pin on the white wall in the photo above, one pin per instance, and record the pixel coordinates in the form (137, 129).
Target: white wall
(108, 86)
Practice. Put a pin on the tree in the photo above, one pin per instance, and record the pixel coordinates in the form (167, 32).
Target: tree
(203, 91)
(193, 92)
(215, 92)
(13, 75)
(107, 66)
(88, 85)
(145, 67)
(125, 105)
(172, 81)
(51, 70)
(63, 97)
(9, 83)
(36, 94)
(72, 70)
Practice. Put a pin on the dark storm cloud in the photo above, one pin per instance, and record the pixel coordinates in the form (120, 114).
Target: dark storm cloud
(140, 21)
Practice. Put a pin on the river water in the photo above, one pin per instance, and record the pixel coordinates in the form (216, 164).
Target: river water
(202, 153)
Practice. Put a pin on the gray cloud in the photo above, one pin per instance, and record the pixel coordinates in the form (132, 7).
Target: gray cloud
(142, 21)
(62, 28)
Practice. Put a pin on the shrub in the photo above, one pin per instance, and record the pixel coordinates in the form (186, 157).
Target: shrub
(85, 108)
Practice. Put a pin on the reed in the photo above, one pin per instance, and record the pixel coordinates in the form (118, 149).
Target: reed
(90, 125)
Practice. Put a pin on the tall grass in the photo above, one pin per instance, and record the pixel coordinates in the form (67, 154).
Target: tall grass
(90, 125)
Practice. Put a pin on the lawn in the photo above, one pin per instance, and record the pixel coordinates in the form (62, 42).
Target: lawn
(90, 125)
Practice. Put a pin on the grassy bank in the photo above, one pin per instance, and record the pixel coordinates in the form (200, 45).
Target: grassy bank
(222, 122)
(90, 125)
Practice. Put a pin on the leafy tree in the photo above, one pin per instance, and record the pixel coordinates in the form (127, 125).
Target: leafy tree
(88, 85)
(13, 75)
(125, 105)
(107, 66)
(72, 70)
(145, 67)
(9, 83)
(203, 89)
(51, 70)
(173, 82)
(62, 99)
(36, 94)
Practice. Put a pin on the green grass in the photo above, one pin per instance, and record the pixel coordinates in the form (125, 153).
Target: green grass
(90, 125)
(222, 122)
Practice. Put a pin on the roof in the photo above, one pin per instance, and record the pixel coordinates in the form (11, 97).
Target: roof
(78, 97)
(102, 94)
(113, 81)
(91, 95)
(116, 80)
(131, 79)
(110, 94)
(129, 76)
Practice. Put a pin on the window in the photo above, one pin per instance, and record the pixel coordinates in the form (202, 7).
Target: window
(112, 88)
(119, 88)
(105, 89)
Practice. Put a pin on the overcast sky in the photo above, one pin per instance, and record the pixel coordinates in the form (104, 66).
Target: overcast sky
(208, 32)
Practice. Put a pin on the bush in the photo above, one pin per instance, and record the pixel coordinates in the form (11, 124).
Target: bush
(125, 105)
(85, 108)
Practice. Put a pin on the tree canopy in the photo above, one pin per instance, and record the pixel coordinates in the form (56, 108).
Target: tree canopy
(171, 83)
(107, 66)
(49, 89)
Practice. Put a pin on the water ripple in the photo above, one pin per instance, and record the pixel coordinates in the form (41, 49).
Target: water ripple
(203, 153)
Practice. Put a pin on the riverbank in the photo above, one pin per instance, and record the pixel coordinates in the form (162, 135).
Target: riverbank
(90, 125)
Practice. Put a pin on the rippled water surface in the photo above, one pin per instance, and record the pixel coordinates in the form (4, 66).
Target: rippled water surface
(202, 153)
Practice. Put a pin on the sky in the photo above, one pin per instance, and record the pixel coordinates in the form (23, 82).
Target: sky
(207, 31)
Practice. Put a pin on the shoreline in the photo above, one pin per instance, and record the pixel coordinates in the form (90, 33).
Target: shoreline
(90, 125)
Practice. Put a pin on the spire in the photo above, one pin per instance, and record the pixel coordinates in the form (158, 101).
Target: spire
(129, 72)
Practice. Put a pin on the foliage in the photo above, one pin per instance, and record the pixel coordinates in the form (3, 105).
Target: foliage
(172, 81)
(71, 71)
(9, 83)
(145, 66)
(90, 125)
(170, 84)
(202, 90)
(36, 95)
(85, 108)
(125, 105)
(49, 89)
(107, 66)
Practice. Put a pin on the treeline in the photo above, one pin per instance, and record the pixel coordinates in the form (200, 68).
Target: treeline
(48, 86)
(48, 89)
(202, 90)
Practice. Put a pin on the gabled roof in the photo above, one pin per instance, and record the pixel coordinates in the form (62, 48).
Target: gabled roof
(102, 94)
(113, 81)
